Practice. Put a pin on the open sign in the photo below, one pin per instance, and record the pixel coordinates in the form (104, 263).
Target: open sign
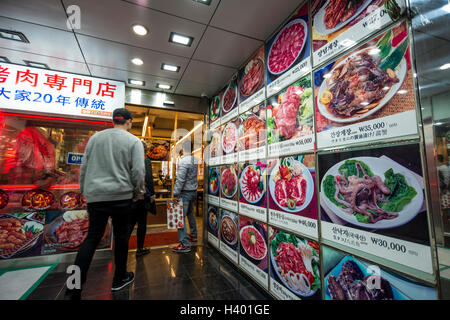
(75, 158)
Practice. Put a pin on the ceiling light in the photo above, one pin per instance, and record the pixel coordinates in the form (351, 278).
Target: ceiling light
(169, 102)
(402, 91)
(207, 2)
(13, 35)
(163, 86)
(169, 67)
(445, 66)
(136, 82)
(36, 64)
(139, 29)
(180, 39)
(137, 61)
(4, 59)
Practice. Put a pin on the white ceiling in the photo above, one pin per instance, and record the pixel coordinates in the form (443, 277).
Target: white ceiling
(225, 33)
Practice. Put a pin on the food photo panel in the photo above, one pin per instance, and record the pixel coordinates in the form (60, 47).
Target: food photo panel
(229, 141)
(347, 277)
(253, 189)
(229, 195)
(228, 230)
(368, 94)
(65, 231)
(214, 146)
(21, 234)
(214, 112)
(214, 185)
(229, 100)
(294, 266)
(288, 52)
(252, 82)
(372, 200)
(292, 194)
(338, 25)
(252, 133)
(290, 119)
(213, 225)
(253, 249)
(159, 150)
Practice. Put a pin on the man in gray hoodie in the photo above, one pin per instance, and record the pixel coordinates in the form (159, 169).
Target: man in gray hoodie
(112, 176)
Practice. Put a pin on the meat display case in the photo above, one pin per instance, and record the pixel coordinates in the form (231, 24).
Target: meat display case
(41, 209)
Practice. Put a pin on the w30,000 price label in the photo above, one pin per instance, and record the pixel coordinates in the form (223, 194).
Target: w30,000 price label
(407, 253)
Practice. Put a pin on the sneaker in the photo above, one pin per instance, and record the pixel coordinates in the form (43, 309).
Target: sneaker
(142, 252)
(181, 248)
(72, 294)
(117, 285)
(191, 238)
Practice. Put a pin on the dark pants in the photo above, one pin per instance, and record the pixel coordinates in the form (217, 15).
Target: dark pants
(99, 212)
(138, 215)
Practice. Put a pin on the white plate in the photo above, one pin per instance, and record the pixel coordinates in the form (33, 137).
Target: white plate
(319, 25)
(301, 49)
(240, 183)
(274, 264)
(235, 97)
(235, 189)
(236, 133)
(309, 187)
(232, 243)
(265, 246)
(379, 167)
(401, 74)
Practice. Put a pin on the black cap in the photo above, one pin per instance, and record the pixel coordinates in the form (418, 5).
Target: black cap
(122, 113)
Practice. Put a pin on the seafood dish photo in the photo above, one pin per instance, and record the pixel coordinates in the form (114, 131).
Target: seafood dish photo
(252, 78)
(37, 199)
(69, 200)
(291, 116)
(253, 242)
(296, 263)
(291, 185)
(4, 198)
(229, 182)
(229, 137)
(252, 183)
(228, 230)
(363, 82)
(287, 46)
(335, 14)
(369, 192)
(351, 284)
(16, 235)
(252, 132)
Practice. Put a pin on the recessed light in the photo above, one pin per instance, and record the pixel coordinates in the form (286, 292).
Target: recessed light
(169, 102)
(180, 39)
(137, 61)
(163, 86)
(445, 66)
(139, 29)
(136, 82)
(36, 64)
(169, 67)
(13, 35)
(4, 59)
(207, 2)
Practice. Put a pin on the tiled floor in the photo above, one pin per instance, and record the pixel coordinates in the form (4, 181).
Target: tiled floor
(201, 274)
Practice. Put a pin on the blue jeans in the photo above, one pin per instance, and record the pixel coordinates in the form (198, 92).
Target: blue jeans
(188, 198)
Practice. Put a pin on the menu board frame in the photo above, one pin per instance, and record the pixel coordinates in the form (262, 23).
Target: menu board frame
(416, 138)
